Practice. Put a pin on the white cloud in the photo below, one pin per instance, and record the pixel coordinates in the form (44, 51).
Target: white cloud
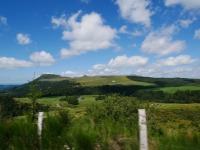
(3, 20)
(71, 74)
(59, 22)
(134, 45)
(136, 33)
(23, 39)
(85, 1)
(180, 66)
(118, 65)
(186, 23)
(197, 34)
(12, 63)
(191, 71)
(88, 34)
(160, 42)
(66, 53)
(124, 61)
(135, 11)
(176, 61)
(99, 66)
(187, 4)
(123, 29)
(42, 58)
(103, 70)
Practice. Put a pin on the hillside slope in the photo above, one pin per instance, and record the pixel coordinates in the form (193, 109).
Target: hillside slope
(109, 80)
(55, 85)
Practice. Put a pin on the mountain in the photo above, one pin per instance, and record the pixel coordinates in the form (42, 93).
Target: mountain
(7, 87)
(56, 85)
(45, 84)
(49, 76)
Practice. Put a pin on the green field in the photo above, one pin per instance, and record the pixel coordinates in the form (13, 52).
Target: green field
(44, 100)
(100, 80)
(57, 105)
(87, 99)
(108, 80)
(180, 88)
(172, 106)
(90, 99)
(170, 126)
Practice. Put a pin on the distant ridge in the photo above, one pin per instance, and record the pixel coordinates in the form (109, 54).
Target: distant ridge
(49, 76)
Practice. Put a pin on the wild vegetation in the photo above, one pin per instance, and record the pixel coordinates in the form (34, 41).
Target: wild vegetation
(100, 120)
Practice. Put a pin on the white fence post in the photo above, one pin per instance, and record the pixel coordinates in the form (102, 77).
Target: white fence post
(40, 119)
(143, 129)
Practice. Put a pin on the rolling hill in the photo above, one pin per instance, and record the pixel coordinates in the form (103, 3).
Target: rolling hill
(55, 85)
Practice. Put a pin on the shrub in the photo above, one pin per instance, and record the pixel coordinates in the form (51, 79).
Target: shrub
(71, 100)
(116, 107)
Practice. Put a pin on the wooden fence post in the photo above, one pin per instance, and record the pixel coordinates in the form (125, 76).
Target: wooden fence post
(143, 129)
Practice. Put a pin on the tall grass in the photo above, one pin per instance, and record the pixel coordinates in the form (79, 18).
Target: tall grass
(182, 140)
(18, 135)
(110, 125)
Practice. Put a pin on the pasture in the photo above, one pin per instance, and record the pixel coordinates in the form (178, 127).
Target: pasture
(108, 80)
(170, 126)
(180, 88)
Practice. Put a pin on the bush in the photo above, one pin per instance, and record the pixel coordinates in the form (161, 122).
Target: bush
(116, 107)
(100, 97)
(71, 100)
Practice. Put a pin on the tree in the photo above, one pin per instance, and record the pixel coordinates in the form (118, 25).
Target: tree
(71, 100)
(33, 96)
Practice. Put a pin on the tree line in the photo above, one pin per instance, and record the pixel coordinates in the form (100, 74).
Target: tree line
(187, 96)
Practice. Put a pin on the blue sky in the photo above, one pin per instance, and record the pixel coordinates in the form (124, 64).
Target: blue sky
(157, 38)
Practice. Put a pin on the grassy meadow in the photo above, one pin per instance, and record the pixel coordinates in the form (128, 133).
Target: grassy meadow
(180, 88)
(175, 126)
(170, 126)
(100, 80)
(110, 80)
(108, 122)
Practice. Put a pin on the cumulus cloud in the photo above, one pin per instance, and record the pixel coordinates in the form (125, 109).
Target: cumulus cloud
(197, 34)
(176, 61)
(42, 58)
(88, 34)
(160, 42)
(124, 61)
(191, 71)
(102, 69)
(3, 20)
(71, 74)
(187, 4)
(23, 39)
(117, 64)
(12, 63)
(180, 66)
(135, 11)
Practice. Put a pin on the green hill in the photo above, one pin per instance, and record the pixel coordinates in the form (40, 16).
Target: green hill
(94, 80)
(109, 80)
(165, 82)
(52, 78)
(55, 85)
